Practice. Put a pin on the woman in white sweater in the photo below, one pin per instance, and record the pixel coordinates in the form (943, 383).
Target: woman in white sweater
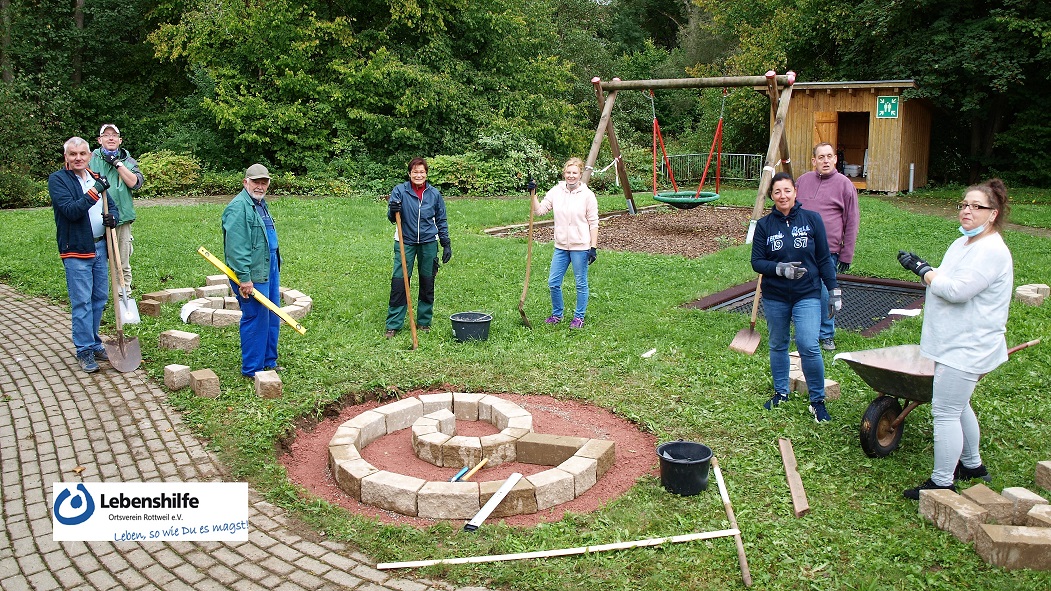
(964, 321)
(576, 238)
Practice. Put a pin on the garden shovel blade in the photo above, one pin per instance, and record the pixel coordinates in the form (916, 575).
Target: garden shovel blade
(124, 354)
(747, 339)
(128, 310)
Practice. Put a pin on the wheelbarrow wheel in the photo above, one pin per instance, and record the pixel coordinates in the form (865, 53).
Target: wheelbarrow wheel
(878, 436)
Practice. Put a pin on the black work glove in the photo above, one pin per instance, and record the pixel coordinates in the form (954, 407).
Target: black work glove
(914, 263)
(842, 267)
(101, 183)
(111, 159)
(393, 207)
(835, 302)
(109, 221)
(592, 255)
(792, 270)
(447, 251)
(531, 185)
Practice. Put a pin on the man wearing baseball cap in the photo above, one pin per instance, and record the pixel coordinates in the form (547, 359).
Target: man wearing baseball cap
(250, 250)
(117, 165)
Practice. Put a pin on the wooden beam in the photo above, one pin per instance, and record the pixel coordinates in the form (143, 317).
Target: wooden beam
(614, 147)
(600, 131)
(771, 159)
(795, 483)
(726, 81)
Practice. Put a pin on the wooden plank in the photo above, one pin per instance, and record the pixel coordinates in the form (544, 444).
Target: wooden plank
(795, 483)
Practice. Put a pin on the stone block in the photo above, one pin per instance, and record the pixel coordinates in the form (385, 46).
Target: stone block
(345, 435)
(226, 317)
(553, 487)
(500, 448)
(448, 500)
(1041, 289)
(831, 387)
(1014, 547)
(1030, 298)
(516, 433)
(546, 449)
(1024, 500)
(401, 414)
(504, 410)
(520, 500)
(267, 384)
(392, 491)
(341, 453)
(231, 303)
(205, 383)
(201, 316)
(158, 296)
(522, 422)
(149, 307)
(305, 302)
(460, 451)
(290, 295)
(952, 513)
(217, 280)
(603, 451)
(446, 420)
(433, 402)
(429, 447)
(423, 426)
(465, 406)
(1039, 516)
(1043, 475)
(796, 380)
(373, 425)
(181, 294)
(1000, 510)
(350, 473)
(584, 471)
(178, 339)
(216, 303)
(295, 312)
(210, 291)
(485, 408)
(176, 377)
(794, 362)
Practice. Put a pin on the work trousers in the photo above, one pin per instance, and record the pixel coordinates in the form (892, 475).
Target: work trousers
(259, 326)
(426, 257)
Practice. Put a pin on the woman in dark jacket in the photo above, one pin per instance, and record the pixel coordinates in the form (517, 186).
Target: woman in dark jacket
(791, 253)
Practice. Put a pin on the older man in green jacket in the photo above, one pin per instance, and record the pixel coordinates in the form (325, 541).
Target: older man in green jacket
(250, 249)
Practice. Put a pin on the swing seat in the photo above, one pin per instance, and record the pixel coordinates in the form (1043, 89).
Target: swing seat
(685, 199)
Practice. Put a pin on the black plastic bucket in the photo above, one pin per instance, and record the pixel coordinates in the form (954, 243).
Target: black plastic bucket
(471, 326)
(684, 467)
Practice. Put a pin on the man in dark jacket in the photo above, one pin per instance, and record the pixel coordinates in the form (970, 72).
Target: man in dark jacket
(80, 224)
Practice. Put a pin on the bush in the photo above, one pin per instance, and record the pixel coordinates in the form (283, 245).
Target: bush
(19, 190)
(168, 174)
(501, 163)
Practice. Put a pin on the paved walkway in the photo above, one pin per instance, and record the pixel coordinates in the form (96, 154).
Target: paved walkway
(54, 418)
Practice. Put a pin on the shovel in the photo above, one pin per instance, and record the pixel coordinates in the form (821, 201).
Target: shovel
(529, 260)
(129, 312)
(747, 339)
(124, 355)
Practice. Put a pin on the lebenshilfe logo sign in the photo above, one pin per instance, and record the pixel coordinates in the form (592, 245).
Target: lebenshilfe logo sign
(150, 512)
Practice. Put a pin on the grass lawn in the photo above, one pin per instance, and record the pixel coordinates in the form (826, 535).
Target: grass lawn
(860, 533)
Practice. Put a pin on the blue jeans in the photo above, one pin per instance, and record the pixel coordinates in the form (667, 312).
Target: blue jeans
(87, 281)
(560, 262)
(806, 315)
(828, 325)
(260, 327)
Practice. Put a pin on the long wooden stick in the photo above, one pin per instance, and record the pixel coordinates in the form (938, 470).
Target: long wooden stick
(405, 276)
(723, 533)
(746, 575)
(795, 483)
(529, 260)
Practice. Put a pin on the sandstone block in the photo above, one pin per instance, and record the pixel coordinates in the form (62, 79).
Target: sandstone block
(1041, 289)
(267, 384)
(465, 405)
(831, 387)
(428, 447)
(1029, 298)
(504, 410)
(521, 500)
(205, 383)
(216, 280)
(522, 422)
(202, 316)
(485, 408)
(341, 453)
(546, 449)
(446, 421)
(345, 435)
(1013, 547)
(952, 513)
(294, 311)
(176, 377)
(305, 302)
(1024, 500)
(216, 303)
(180, 294)
(373, 425)
(423, 426)
(290, 295)
(433, 402)
(553, 487)
(209, 291)
(158, 296)
(226, 317)
(460, 451)
(584, 471)
(448, 500)
(178, 339)
(1000, 510)
(231, 303)
(401, 414)
(148, 307)
(602, 451)
(1039, 516)
(1043, 475)
(391, 491)
(350, 473)
(499, 448)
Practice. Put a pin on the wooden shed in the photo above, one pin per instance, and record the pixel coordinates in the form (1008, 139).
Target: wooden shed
(877, 133)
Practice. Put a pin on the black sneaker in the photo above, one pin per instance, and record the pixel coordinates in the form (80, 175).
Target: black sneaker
(775, 400)
(914, 493)
(101, 354)
(87, 361)
(964, 473)
(828, 344)
(820, 412)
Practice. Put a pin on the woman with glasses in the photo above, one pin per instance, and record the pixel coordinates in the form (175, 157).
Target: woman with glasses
(964, 321)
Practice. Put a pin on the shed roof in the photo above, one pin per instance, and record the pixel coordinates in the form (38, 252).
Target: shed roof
(856, 84)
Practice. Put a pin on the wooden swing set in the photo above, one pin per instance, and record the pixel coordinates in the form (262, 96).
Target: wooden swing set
(778, 88)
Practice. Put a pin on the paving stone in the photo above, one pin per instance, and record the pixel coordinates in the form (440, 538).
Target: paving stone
(500, 448)
(372, 424)
(553, 487)
(158, 296)
(1014, 547)
(179, 340)
(149, 307)
(201, 316)
(350, 473)
(1043, 475)
(341, 453)
(231, 303)
(205, 383)
(1029, 297)
(1038, 516)
(176, 377)
(401, 414)
(213, 291)
(520, 500)
(448, 500)
(180, 294)
(216, 303)
(429, 447)
(216, 280)
(390, 491)
(226, 317)
(446, 421)
(267, 384)
(434, 402)
(602, 451)
(295, 312)
(831, 387)
(952, 513)
(546, 449)
(1023, 500)
(465, 405)
(1001, 510)
(504, 410)
(584, 471)
(460, 451)
(346, 435)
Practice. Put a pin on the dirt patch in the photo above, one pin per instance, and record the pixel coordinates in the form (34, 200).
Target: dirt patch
(307, 460)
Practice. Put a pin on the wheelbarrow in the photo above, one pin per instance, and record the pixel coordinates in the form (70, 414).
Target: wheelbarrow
(895, 373)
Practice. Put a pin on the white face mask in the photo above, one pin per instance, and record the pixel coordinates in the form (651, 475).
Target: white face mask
(974, 232)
